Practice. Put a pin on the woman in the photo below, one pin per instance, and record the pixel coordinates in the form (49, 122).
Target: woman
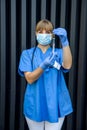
(46, 100)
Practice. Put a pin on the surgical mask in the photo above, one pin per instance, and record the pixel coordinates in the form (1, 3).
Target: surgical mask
(44, 39)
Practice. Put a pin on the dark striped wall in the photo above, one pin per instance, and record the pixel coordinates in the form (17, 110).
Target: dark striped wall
(17, 32)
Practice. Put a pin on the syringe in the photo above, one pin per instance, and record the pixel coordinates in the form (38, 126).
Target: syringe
(56, 64)
(53, 45)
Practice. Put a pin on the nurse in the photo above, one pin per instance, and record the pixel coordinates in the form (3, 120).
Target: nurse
(46, 99)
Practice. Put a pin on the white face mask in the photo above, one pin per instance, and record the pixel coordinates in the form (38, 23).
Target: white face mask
(44, 39)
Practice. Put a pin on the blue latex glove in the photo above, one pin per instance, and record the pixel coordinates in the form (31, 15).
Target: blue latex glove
(49, 61)
(61, 32)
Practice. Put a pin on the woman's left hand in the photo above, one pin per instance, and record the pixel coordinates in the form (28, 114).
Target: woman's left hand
(61, 32)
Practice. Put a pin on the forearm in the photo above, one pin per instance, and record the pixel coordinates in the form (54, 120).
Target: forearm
(67, 57)
(33, 76)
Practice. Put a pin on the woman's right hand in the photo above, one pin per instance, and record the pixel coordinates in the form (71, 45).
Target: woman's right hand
(49, 61)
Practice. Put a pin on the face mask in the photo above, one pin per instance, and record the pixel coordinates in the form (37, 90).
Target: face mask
(44, 39)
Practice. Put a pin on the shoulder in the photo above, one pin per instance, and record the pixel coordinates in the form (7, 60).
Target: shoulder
(28, 51)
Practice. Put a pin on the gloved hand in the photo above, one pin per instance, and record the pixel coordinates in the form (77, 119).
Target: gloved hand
(49, 61)
(61, 32)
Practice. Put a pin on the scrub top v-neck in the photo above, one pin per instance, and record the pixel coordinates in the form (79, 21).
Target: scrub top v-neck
(47, 98)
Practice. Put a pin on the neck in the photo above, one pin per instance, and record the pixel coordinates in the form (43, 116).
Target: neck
(43, 48)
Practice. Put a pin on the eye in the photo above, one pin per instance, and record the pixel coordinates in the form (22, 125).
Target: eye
(48, 31)
(40, 31)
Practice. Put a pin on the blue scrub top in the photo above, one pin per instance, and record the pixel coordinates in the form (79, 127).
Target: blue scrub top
(47, 98)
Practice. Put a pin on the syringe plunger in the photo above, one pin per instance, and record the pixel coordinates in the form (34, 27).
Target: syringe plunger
(53, 45)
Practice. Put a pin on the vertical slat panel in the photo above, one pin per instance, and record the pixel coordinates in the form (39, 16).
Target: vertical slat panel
(13, 66)
(82, 68)
(33, 21)
(2, 62)
(74, 32)
(23, 24)
(53, 12)
(63, 13)
(43, 9)
(23, 46)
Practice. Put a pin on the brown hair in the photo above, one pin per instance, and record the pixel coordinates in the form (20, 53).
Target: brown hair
(44, 24)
